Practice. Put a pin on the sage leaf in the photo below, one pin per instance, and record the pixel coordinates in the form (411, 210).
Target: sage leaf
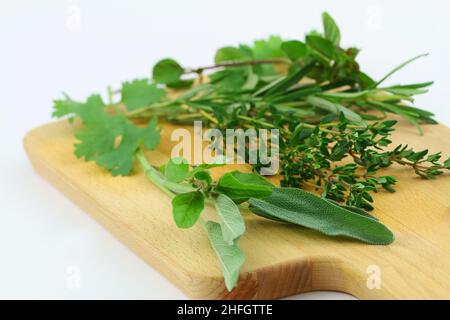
(354, 209)
(306, 209)
(176, 170)
(230, 257)
(187, 207)
(231, 221)
(242, 186)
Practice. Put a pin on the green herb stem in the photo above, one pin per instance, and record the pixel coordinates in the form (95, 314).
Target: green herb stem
(238, 64)
(152, 174)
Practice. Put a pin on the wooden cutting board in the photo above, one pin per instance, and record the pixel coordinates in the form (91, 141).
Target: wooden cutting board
(281, 259)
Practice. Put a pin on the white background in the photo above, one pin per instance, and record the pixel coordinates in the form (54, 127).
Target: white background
(45, 239)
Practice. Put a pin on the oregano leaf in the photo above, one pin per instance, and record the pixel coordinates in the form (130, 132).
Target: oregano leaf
(187, 207)
(331, 29)
(167, 71)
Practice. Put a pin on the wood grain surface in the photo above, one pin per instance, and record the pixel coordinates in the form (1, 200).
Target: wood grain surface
(281, 259)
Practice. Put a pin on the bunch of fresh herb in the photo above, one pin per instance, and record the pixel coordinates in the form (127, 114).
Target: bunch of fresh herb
(190, 188)
(326, 109)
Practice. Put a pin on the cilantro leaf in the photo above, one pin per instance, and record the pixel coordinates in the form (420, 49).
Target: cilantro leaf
(95, 140)
(119, 160)
(176, 170)
(270, 48)
(228, 54)
(65, 107)
(110, 140)
(93, 111)
(140, 93)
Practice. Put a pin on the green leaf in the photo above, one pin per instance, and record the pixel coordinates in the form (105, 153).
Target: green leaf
(353, 209)
(231, 257)
(230, 79)
(203, 176)
(111, 140)
(187, 207)
(322, 48)
(177, 169)
(414, 85)
(447, 164)
(331, 29)
(231, 220)
(403, 112)
(217, 161)
(252, 80)
(181, 84)
(167, 71)
(335, 108)
(228, 54)
(405, 91)
(269, 86)
(269, 48)
(150, 135)
(197, 90)
(119, 160)
(294, 95)
(306, 209)
(242, 186)
(99, 132)
(345, 95)
(401, 66)
(290, 80)
(93, 111)
(66, 107)
(294, 49)
(140, 93)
